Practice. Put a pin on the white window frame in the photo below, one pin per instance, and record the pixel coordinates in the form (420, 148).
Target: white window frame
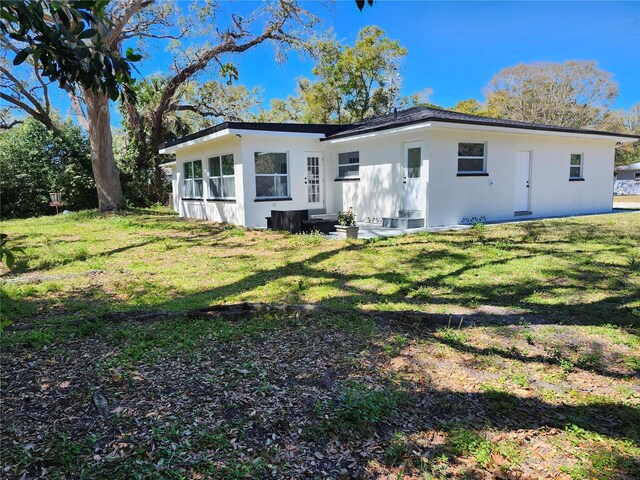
(346, 177)
(581, 177)
(211, 176)
(471, 157)
(256, 175)
(186, 181)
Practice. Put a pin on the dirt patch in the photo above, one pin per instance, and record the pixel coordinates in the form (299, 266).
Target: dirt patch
(311, 399)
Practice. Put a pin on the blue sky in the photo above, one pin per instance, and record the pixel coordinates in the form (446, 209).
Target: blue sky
(455, 48)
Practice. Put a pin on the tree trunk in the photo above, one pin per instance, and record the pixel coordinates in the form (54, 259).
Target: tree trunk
(103, 163)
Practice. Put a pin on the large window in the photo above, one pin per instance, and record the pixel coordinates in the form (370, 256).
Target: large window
(192, 179)
(272, 178)
(349, 165)
(222, 182)
(575, 167)
(471, 158)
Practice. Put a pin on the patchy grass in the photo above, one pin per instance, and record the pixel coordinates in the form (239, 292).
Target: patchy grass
(545, 384)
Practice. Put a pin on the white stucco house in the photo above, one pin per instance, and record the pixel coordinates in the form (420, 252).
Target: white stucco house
(434, 167)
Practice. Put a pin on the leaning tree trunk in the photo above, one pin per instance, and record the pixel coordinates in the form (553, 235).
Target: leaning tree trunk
(103, 163)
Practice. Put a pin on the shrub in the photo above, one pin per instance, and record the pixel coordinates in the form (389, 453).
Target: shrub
(35, 161)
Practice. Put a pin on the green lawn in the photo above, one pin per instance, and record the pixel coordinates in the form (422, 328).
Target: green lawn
(537, 373)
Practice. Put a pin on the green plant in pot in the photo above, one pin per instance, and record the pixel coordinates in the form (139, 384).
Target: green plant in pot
(347, 227)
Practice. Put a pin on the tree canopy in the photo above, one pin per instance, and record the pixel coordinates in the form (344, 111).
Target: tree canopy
(351, 83)
(573, 93)
(282, 22)
(65, 41)
(35, 161)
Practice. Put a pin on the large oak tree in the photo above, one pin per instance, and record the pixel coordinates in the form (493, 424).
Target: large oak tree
(573, 93)
(282, 22)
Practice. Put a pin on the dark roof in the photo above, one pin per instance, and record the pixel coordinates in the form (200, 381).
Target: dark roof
(321, 128)
(425, 114)
(402, 118)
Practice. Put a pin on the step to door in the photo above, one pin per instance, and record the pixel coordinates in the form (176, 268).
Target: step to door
(402, 222)
(410, 214)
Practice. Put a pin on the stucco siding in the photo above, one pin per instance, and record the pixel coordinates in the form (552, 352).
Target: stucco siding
(296, 149)
(453, 198)
(380, 190)
(205, 209)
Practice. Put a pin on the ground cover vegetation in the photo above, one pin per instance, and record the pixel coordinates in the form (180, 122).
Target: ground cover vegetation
(529, 369)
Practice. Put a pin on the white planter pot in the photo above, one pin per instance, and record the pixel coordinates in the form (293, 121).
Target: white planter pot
(347, 232)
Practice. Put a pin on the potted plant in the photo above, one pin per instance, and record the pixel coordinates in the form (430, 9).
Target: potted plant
(347, 227)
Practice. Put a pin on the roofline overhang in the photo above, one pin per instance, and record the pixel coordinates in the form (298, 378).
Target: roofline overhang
(379, 132)
(480, 125)
(238, 132)
(589, 134)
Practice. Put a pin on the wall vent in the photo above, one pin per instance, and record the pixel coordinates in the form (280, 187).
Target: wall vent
(473, 219)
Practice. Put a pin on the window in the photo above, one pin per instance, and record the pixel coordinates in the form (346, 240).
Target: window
(575, 168)
(193, 179)
(348, 165)
(272, 179)
(637, 176)
(414, 162)
(471, 158)
(222, 183)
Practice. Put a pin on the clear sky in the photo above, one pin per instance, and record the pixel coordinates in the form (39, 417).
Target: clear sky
(455, 48)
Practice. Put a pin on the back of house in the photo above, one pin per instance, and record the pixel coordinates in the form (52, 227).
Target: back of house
(412, 168)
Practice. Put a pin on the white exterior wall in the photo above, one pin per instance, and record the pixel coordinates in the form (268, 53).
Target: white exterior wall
(175, 194)
(217, 211)
(627, 174)
(551, 193)
(296, 148)
(379, 192)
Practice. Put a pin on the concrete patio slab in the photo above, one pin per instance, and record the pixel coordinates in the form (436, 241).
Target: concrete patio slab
(378, 231)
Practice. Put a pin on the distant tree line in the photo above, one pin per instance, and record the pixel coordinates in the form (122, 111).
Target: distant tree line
(574, 94)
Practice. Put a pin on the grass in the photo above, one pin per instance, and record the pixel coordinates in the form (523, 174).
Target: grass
(86, 263)
(540, 378)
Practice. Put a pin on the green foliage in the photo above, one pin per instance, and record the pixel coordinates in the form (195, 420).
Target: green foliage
(347, 218)
(55, 36)
(397, 448)
(361, 409)
(472, 107)
(351, 82)
(35, 161)
(7, 252)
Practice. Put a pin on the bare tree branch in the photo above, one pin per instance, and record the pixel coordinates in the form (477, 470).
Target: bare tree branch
(4, 125)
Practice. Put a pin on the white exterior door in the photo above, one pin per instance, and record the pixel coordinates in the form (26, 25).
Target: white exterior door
(523, 181)
(414, 183)
(313, 180)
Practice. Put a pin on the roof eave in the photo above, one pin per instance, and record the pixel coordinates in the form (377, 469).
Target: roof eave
(495, 126)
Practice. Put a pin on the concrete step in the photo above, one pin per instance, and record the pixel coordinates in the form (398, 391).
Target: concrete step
(402, 222)
(317, 211)
(410, 214)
